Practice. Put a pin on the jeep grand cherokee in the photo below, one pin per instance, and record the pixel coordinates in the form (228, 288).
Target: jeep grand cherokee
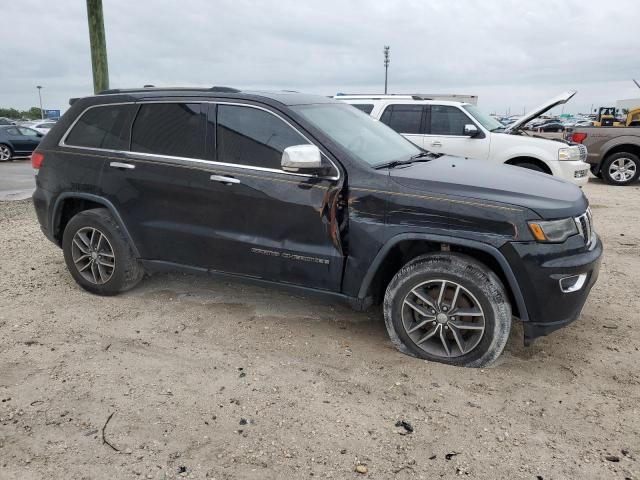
(310, 193)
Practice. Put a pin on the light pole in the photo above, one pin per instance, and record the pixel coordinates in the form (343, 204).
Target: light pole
(39, 87)
(386, 66)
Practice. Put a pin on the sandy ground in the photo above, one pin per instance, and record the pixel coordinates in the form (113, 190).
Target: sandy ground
(208, 379)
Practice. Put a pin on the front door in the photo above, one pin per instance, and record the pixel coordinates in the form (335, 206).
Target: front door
(445, 134)
(273, 224)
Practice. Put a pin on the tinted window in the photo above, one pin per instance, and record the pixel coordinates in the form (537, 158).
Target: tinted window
(403, 118)
(250, 136)
(365, 107)
(12, 131)
(446, 120)
(174, 129)
(103, 127)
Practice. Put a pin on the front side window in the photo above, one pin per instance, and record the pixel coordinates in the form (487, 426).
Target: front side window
(403, 118)
(250, 136)
(104, 127)
(172, 129)
(447, 120)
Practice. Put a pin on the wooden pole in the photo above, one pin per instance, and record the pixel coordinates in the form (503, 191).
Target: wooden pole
(98, 46)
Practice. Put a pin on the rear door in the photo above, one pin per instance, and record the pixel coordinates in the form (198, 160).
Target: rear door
(160, 185)
(406, 119)
(445, 133)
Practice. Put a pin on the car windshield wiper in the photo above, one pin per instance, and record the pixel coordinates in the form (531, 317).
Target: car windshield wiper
(419, 157)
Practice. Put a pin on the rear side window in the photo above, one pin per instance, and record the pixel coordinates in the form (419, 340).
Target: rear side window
(447, 120)
(173, 129)
(403, 118)
(103, 127)
(365, 107)
(249, 136)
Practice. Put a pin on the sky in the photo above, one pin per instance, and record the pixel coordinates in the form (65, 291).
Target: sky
(513, 54)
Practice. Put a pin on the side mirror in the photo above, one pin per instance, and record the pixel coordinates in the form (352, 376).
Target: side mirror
(301, 159)
(471, 130)
(40, 134)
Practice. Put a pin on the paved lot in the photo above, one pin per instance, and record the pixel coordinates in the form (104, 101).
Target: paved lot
(220, 380)
(16, 179)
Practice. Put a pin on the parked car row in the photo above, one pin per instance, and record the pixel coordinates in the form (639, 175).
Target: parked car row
(308, 193)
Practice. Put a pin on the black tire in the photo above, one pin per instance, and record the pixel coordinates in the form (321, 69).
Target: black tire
(595, 171)
(626, 157)
(6, 148)
(127, 271)
(530, 166)
(471, 275)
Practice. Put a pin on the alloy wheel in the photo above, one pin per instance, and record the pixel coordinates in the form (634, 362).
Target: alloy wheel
(93, 255)
(622, 169)
(5, 153)
(443, 318)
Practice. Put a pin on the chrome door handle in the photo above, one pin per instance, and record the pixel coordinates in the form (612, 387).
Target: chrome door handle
(223, 179)
(128, 166)
(436, 144)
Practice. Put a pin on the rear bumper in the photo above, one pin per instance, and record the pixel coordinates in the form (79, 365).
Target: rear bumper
(43, 202)
(540, 268)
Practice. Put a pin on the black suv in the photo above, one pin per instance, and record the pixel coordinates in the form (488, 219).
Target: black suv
(310, 193)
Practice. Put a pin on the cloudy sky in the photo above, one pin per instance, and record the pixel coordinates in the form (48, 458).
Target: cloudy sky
(514, 54)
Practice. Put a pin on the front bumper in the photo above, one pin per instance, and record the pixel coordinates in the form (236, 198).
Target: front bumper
(539, 268)
(575, 171)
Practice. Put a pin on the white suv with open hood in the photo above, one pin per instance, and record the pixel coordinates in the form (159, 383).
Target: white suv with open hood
(461, 129)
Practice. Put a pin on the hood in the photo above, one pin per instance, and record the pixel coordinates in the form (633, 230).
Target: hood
(536, 112)
(548, 196)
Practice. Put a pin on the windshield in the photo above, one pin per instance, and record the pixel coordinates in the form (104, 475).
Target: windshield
(487, 121)
(362, 136)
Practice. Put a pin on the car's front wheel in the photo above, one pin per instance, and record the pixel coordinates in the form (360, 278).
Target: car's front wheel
(448, 308)
(98, 254)
(6, 154)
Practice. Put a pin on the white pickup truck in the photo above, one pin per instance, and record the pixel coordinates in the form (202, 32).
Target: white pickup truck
(461, 129)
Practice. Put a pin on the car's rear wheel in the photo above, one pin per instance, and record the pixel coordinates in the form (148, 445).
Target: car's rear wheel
(6, 154)
(621, 168)
(448, 308)
(596, 171)
(98, 254)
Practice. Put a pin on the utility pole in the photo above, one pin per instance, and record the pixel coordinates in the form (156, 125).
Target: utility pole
(98, 46)
(386, 66)
(39, 87)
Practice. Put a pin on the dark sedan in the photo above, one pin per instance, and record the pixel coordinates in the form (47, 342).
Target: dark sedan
(17, 141)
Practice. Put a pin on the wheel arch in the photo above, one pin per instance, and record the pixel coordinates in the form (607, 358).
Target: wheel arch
(405, 247)
(69, 204)
(527, 159)
(624, 147)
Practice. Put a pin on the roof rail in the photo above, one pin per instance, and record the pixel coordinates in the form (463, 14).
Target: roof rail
(146, 88)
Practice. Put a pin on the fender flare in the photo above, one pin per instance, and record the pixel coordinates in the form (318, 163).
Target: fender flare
(57, 209)
(463, 242)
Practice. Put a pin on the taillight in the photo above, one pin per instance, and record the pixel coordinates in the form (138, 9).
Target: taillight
(36, 160)
(578, 137)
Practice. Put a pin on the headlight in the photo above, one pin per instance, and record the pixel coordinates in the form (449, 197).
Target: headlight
(553, 230)
(569, 153)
